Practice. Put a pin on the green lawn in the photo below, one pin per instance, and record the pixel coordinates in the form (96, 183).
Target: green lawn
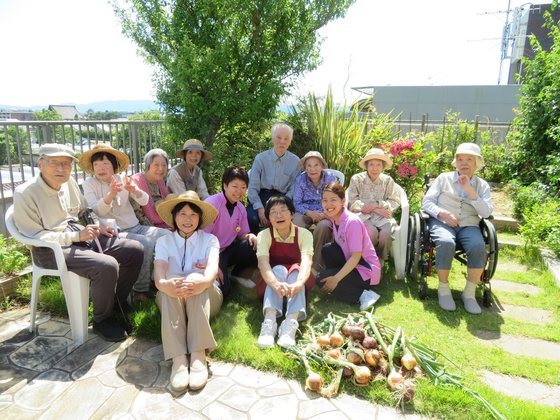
(237, 327)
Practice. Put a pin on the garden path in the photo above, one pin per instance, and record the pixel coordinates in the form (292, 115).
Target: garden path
(514, 386)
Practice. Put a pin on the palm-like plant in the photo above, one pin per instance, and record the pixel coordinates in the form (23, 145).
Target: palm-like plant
(342, 136)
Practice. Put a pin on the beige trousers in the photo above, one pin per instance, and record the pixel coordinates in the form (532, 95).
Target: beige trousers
(380, 238)
(185, 323)
(322, 234)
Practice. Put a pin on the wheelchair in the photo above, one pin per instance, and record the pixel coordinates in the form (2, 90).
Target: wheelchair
(420, 255)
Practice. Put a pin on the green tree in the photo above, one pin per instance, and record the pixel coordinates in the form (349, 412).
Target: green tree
(223, 64)
(47, 115)
(536, 156)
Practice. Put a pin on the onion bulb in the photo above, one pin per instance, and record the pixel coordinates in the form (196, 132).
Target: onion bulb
(334, 353)
(408, 361)
(369, 342)
(314, 382)
(355, 356)
(323, 340)
(336, 340)
(394, 378)
(372, 357)
(362, 375)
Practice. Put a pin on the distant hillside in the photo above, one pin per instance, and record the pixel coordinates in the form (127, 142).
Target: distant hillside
(119, 106)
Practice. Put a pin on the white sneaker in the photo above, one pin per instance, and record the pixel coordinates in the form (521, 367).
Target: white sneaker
(368, 299)
(266, 337)
(287, 333)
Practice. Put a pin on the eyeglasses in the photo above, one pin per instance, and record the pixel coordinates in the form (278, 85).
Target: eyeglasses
(279, 213)
(57, 164)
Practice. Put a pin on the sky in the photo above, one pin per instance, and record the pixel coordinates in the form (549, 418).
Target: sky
(73, 51)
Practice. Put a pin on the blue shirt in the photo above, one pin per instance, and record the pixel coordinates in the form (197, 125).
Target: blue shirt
(308, 196)
(272, 173)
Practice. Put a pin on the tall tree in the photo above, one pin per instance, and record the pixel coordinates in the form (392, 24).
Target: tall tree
(221, 63)
(536, 156)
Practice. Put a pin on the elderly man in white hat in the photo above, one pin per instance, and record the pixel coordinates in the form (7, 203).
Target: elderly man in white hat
(455, 202)
(49, 207)
(372, 194)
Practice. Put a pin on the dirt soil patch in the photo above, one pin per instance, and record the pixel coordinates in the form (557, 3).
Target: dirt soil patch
(501, 202)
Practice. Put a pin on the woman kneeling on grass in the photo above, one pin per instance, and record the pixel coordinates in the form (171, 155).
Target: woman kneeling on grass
(284, 253)
(352, 264)
(185, 272)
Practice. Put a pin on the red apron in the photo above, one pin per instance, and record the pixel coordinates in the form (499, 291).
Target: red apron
(288, 255)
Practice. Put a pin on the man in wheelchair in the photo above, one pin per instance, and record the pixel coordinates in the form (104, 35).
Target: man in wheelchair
(456, 202)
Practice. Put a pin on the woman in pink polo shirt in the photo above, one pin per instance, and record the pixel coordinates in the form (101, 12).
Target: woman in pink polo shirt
(352, 264)
(231, 227)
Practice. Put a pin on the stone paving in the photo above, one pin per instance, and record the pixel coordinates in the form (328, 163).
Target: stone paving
(513, 386)
(45, 376)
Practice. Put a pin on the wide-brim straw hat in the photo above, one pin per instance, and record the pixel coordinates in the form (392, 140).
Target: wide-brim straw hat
(166, 206)
(87, 165)
(470, 149)
(194, 144)
(311, 154)
(376, 153)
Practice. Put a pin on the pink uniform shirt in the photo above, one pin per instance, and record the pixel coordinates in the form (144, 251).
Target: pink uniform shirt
(227, 228)
(351, 235)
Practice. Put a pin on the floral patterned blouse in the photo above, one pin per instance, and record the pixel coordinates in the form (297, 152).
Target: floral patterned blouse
(382, 192)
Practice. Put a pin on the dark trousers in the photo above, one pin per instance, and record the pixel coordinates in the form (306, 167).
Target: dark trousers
(350, 288)
(112, 273)
(253, 215)
(239, 254)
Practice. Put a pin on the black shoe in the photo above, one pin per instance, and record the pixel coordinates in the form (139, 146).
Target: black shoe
(109, 329)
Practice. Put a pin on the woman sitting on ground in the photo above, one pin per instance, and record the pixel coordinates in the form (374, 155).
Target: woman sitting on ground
(185, 272)
(152, 182)
(231, 227)
(353, 268)
(307, 201)
(455, 202)
(284, 252)
(187, 175)
(108, 194)
(373, 196)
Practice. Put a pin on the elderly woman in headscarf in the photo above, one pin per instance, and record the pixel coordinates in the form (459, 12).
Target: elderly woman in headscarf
(456, 202)
(373, 195)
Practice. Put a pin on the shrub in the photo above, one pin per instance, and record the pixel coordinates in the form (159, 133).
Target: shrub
(525, 198)
(13, 256)
(542, 225)
(410, 164)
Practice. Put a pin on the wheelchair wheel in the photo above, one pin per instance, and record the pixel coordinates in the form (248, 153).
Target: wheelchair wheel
(416, 262)
(491, 240)
(410, 250)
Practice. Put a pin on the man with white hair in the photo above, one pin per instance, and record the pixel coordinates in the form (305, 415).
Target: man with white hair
(50, 207)
(273, 173)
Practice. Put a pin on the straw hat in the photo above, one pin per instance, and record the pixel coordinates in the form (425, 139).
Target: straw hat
(376, 153)
(470, 149)
(194, 144)
(87, 165)
(166, 206)
(311, 154)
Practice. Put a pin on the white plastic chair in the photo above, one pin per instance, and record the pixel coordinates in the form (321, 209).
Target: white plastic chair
(400, 235)
(75, 288)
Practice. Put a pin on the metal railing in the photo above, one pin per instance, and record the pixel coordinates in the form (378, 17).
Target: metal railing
(20, 142)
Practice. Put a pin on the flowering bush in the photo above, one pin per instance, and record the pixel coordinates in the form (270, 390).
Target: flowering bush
(410, 162)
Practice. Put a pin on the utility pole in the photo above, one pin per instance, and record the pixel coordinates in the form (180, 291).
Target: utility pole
(505, 41)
